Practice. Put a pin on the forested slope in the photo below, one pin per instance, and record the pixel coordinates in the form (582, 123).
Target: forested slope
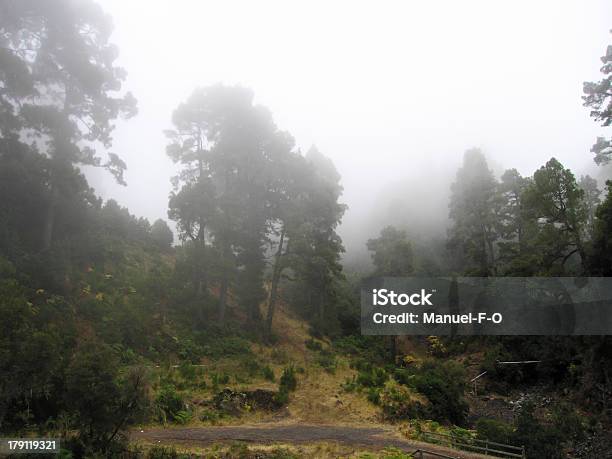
(245, 312)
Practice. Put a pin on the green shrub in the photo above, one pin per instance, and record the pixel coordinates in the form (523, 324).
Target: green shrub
(462, 435)
(182, 417)
(373, 395)
(501, 377)
(436, 346)
(443, 383)
(327, 361)
(188, 371)
(540, 440)
(288, 380)
(287, 383)
(494, 430)
(227, 346)
(350, 384)
(313, 345)
(189, 351)
(397, 402)
(372, 377)
(568, 422)
(168, 404)
(211, 416)
(281, 397)
(369, 348)
(268, 373)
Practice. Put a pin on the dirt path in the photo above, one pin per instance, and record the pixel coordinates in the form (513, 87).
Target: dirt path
(370, 437)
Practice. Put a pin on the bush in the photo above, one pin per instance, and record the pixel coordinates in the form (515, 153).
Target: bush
(169, 404)
(436, 346)
(444, 385)
(539, 440)
(188, 371)
(501, 377)
(189, 351)
(287, 383)
(226, 346)
(327, 361)
(398, 402)
(101, 399)
(288, 380)
(373, 395)
(281, 397)
(372, 377)
(494, 430)
(462, 435)
(350, 384)
(182, 417)
(568, 422)
(211, 416)
(268, 373)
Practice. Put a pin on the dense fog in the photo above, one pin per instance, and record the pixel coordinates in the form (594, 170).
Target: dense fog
(393, 94)
(292, 230)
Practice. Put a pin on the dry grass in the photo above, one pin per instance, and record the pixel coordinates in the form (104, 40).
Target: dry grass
(318, 399)
(316, 450)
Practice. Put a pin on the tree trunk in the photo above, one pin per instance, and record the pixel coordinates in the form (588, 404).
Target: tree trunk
(393, 347)
(453, 303)
(484, 262)
(225, 272)
(201, 269)
(276, 273)
(49, 223)
(583, 256)
(321, 307)
(492, 259)
(223, 297)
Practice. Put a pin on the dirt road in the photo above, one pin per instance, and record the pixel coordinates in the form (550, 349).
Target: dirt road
(370, 437)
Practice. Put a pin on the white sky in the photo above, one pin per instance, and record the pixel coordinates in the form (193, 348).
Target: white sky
(389, 90)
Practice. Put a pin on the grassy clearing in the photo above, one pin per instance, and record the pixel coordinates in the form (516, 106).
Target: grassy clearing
(318, 398)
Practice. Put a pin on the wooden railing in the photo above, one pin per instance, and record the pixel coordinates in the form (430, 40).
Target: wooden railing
(480, 446)
(423, 454)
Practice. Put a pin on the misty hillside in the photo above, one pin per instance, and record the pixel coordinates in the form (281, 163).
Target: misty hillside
(193, 196)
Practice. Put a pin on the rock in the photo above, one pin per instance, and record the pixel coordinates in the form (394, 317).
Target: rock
(235, 403)
(263, 399)
(230, 402)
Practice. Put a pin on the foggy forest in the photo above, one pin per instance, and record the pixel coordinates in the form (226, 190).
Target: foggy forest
(192, 194)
